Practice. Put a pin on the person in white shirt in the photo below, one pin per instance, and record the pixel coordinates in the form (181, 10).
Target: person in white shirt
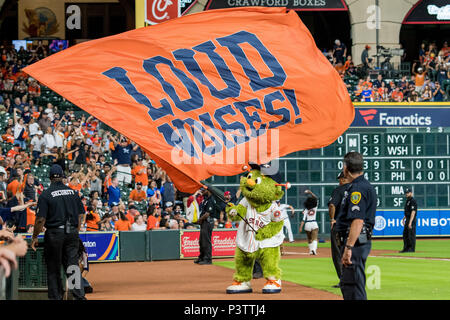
(37, 142)
(59, 137)
(49, 111)
(309, 221)
(286, 222)
(33, 127)
(139, 224)
(49, 139)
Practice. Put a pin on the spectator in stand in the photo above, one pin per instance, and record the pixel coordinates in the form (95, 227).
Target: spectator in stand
(132, 213)
(139, 173)
(105, 224)
(438, 93)
(366, 94)
(44, 122)
(138, 194)
(153, 193)
(154, 217)
(397, 95)
(20, 133)
(37, 145)
(379, 81)
(427, 95)
(139, 224)
(122, 224)
(167, 190)
(339, 51)
(122, 159)
(419, 76)
(113, 192)
(92, 219)
(365, 60)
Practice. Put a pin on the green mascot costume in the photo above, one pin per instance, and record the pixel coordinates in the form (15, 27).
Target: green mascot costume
(258, 237)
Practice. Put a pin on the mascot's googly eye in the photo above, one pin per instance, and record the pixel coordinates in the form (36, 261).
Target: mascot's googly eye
(249, 176)
(258, 180)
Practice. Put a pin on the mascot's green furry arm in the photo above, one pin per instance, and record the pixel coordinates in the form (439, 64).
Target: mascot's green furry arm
(259, 210)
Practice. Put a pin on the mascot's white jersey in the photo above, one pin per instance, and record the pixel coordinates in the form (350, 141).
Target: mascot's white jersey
(245, 238)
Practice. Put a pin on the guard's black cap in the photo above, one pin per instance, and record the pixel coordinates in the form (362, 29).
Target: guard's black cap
(340, 175)
(407, 190)
(56, 171)
(267, 170)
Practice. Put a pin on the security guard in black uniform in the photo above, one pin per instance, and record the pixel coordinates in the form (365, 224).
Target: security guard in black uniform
(61, 211)
(209, 210)
(334, 207)
(354, 225)
(409, 221)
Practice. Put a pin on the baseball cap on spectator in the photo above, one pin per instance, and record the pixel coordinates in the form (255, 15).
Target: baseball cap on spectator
(226, 193)
(40, 133)
(169, 204)
(367, 46)
(132, 207)
(3, 171)
(139, 183)
(114, 204)
(56, 171)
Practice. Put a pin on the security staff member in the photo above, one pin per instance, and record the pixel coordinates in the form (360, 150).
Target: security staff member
(354, 225)
(409, 222)
(334, 207)
(61, 211)
(209, 211)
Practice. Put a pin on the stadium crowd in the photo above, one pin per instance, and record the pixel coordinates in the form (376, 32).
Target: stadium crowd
(121, 187)
(428, 79)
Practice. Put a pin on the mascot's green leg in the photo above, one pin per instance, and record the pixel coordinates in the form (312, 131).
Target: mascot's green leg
(244, 262)
(269, 259)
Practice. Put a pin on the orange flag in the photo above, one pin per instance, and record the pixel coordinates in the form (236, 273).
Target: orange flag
(206, 93)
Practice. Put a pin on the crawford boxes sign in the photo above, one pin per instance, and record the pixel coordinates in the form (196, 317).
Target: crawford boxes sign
(298, 5)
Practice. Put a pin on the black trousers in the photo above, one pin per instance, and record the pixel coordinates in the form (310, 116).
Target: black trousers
(336, 250)
(353, 278)
(409, 237)
(61, 249)
(205, 241)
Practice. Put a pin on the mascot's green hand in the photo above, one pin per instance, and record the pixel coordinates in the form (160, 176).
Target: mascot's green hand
(234, 212)
(269, 230)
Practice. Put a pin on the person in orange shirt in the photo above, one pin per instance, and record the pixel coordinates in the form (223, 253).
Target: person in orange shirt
(154, 217)
(420, 77)
(139, 173)
(122, 224)
(8, 136)
(92, 220)
(132, 213)
(14, 151)
(138, 194)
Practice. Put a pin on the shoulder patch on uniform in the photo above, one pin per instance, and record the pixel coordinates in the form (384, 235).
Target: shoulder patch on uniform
(355, 197)
(277, 214)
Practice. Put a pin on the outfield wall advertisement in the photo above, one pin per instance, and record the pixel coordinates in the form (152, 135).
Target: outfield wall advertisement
(388, 223)
(223, 243)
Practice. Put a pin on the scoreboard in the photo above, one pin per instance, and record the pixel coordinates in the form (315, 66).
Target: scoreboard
(403, 145)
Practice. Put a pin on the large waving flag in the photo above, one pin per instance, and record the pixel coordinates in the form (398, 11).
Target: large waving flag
(206, 93)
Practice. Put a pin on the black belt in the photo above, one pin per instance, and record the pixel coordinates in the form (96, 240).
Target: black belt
(310, 221)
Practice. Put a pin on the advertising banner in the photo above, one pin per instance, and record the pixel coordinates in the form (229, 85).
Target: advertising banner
(223, 243)
(401, 115)
(298, 5)
(388, 223)
(101, 246)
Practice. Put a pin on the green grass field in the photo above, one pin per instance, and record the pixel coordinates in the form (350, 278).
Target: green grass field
(409, 276)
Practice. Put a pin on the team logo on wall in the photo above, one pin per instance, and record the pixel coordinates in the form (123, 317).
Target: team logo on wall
(157, 11)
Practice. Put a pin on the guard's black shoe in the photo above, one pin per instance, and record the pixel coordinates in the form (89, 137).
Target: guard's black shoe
(336, 286)
(203, 262)
(197, 260)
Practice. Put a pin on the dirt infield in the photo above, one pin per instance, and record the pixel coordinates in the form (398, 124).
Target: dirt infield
(185, 280)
